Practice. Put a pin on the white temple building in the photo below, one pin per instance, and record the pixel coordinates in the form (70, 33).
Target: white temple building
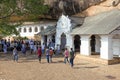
(60, 34)
(99, 34)
(105, 28)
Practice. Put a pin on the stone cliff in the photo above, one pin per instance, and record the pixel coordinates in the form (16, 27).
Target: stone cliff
(102, 7)
(80, 7)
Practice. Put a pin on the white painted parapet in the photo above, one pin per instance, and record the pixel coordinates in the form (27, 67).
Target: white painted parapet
(106, 47)
(85, 48)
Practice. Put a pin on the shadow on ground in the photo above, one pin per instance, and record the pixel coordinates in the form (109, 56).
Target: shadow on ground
(90, 67)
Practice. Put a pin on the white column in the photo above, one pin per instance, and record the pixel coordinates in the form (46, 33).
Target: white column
(33, 29)
(69, 42)
(57, 38)
(97, 45)
(42, 39)
(73, 46)
(106, 47)
(85, 48)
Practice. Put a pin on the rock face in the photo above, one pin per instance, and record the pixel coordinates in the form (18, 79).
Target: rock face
(69, 7)
(102, 7)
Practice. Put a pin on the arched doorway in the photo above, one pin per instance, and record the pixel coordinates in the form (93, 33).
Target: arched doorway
(77, 43)
(63, 41)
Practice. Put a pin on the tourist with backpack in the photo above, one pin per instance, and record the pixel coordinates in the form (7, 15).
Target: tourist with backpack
(72, 56)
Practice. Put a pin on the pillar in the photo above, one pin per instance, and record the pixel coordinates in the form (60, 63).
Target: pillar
(69, 41)
(57, 39)
(85, 48)
(97, 45)
(106, 47)
(73, 46)
(42, 39)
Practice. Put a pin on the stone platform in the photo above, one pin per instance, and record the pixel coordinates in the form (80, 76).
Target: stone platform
(97, 59)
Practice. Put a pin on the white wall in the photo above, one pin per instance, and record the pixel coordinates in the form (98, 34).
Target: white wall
(116, 46)
(85, 48)
(106, 47)
(97, 44)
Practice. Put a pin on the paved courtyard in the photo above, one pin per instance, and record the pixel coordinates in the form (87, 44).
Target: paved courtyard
(28, 68)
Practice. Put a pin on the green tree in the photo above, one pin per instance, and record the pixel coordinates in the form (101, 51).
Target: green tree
(8, 8)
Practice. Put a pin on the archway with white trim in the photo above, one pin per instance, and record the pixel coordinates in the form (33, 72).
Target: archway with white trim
(63, 41)
(95, 44)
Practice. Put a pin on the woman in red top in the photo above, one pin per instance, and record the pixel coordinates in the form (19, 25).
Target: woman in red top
(39, 52)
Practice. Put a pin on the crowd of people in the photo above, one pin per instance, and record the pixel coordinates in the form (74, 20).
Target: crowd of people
(37, 48)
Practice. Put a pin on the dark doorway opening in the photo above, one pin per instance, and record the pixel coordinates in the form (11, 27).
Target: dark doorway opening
(77, 43)
(92, 43)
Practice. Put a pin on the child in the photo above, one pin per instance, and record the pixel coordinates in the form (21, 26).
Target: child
(15, 54)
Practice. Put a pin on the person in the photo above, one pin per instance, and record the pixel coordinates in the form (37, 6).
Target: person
(72, 56)
(15, 54)
(5, 48)
(31, 46)
(51, 54)
(43, 48)
(39, 52)
(47, 54)
(23, 49)
(66, 54)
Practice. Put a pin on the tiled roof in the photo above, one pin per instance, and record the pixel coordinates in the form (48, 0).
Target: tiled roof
(103, 23)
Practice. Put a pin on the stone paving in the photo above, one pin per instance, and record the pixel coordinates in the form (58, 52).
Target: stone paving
(28, 68)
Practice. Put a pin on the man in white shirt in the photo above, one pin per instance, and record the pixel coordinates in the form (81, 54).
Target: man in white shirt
(31, 46)
(43, 48)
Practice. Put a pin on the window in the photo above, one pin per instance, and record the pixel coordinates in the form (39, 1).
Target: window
(19, 29)
(36, 29)
(30, 29)
(25, 30)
